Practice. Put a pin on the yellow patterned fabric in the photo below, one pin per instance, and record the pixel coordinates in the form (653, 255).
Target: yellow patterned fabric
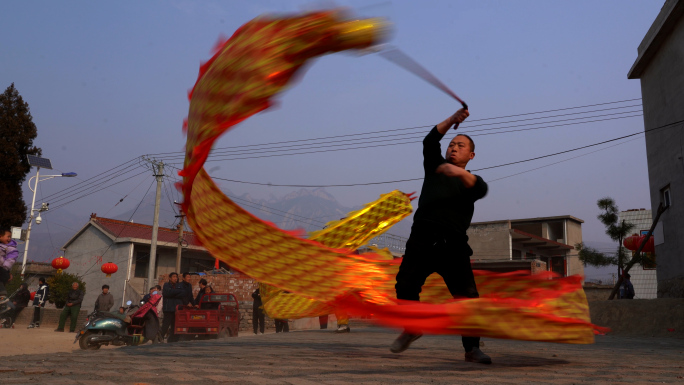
(246, 72)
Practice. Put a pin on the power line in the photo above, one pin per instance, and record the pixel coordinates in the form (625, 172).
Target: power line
(66, 194)
(411, 128)
(89, 181)
(481, 169)
(351, 144)
(123, 228)
(215, 159)
(93, 192)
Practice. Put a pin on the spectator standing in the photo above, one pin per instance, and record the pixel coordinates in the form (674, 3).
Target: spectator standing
(39, 301)
(188, 299)
(258, 317)
(281, 325)
(172, 295)
(8, 255)
(200, 293)
(73, 306)
(627, 287)
(104, 301)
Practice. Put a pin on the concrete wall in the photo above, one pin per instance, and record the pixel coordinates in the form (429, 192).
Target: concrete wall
(490, 240)
(662, 89)
(574, 235)
(87, 254)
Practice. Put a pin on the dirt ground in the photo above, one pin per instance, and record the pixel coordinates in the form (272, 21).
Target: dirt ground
(21, 340)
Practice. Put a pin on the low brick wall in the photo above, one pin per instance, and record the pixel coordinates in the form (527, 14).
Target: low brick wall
(50, 317)
(662, 317)
(597, 293)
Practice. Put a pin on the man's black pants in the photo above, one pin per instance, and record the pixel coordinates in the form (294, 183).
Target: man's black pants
(169, 322)
(429, 253)
(258, 320)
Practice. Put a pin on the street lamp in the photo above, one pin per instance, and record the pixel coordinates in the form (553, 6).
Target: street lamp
(38, 163)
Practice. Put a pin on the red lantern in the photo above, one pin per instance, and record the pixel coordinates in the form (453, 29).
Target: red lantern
(33, 295)
(109, 269)
(633, 242)
(60, 264)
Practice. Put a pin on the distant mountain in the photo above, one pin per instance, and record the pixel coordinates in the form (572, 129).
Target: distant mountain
(307, 209)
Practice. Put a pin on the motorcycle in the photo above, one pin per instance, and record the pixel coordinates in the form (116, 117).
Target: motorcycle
(5, 312)
(104, 328)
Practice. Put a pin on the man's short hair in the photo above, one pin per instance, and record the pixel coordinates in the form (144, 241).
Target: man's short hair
(105, 287)
(172, 274)
(472, 144)
(158, 287)
(185, 274)
(4, 230)
(72, 284)
(203, 282)
(41, 280)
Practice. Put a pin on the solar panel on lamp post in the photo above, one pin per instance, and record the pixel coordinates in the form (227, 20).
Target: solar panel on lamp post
(38, 163)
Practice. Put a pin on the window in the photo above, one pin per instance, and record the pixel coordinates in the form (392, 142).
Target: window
(142, 263)
(665, 196)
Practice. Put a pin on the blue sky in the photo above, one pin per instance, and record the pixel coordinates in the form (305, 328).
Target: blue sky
(107, 82)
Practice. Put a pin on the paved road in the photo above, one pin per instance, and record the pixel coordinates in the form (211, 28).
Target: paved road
(323, 357)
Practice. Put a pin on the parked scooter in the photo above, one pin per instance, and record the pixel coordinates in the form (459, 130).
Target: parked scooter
(5, 312)
(131, 328)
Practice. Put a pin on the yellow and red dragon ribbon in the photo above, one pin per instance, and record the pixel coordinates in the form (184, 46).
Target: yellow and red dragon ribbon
(240, 80)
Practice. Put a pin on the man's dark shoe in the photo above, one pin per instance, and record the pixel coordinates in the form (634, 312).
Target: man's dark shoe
(476, 355)
(59, 330)
(403, 342)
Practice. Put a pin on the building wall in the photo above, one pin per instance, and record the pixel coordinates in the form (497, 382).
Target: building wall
(574, 237)
(645, 281)
(662, 89)
(86, 254)
(490, 240)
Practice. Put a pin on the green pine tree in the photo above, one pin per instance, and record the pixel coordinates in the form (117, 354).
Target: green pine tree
(617, 231)
(17, 132)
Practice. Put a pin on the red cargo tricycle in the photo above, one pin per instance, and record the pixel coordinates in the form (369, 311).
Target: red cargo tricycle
(218, 316)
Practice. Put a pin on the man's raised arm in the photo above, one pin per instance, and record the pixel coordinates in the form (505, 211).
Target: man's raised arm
(456, 119)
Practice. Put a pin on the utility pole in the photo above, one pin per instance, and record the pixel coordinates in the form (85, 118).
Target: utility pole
(158, 169)
(180, 240)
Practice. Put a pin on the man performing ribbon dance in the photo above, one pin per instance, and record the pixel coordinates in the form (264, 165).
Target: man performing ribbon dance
(438, 241)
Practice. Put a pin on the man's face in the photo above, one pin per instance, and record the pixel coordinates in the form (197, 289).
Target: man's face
(6, 237)
(186, 278)
(174, 279)
(105, 291)
(74, 285)
(458, 153)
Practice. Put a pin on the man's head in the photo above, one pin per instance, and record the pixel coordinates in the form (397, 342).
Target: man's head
(202, 283)
(158, 287)
(24, 285)
(5, 236)
(173, 277)
(105, 289)
(41, 280)
(186, 277)
(461, 150)
(74, 285)
(122, 310)
(628, 276)
(152, 289)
